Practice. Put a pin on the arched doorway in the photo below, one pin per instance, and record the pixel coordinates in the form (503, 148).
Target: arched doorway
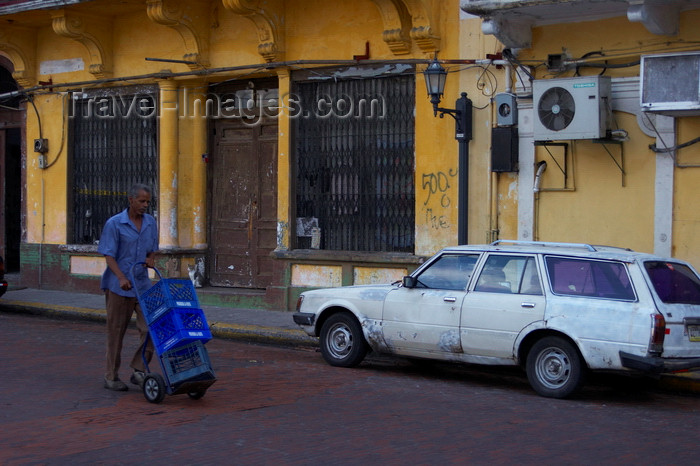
(11, 153)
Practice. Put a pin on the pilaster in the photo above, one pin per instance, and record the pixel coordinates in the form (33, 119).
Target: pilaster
(168, 150)
(197, 95)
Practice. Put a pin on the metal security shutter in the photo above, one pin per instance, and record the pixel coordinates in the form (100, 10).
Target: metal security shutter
(114, 145)
(354, 143)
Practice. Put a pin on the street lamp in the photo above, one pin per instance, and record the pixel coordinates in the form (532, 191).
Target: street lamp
(435, 77)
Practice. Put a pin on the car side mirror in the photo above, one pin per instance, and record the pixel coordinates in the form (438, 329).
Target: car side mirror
(409, 281)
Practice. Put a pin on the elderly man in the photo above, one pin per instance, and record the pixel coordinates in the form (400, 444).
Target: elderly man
(127, 238)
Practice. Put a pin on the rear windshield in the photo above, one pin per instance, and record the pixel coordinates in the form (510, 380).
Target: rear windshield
(674, 282)
(590, 278)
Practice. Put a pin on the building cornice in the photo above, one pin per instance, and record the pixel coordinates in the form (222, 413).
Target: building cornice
(511, 21)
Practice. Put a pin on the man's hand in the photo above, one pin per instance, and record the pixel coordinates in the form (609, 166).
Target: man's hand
(151, 261)
(124, 284)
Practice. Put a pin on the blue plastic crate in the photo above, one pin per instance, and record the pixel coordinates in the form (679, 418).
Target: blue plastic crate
(167, 293)
(187, 362)
(178, 326)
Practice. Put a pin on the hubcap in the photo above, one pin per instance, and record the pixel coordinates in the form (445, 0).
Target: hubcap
(339, 341)
(151, 388)
(553, 367)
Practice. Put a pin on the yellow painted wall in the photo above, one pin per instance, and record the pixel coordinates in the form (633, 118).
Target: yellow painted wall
(316, 275)
(686, 215)
(313, 30)
(46, 188)
(375, 275)
(437, 151)
(598, 208)
(87, 265)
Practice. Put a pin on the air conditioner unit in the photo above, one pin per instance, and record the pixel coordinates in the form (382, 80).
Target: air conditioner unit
(571, 108)
(670, 84)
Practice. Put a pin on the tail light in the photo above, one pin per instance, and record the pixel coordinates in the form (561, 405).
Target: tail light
(299, 301)
(658, 330)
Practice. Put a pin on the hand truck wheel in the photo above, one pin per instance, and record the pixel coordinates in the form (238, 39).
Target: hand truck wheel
(154, 388)
(196, 394)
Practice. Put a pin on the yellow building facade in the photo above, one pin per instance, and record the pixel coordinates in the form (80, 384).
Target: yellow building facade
(634, 184)
(290, 144)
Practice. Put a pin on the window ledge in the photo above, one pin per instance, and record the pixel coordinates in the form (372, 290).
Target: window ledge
(92, 249)
(319, 255)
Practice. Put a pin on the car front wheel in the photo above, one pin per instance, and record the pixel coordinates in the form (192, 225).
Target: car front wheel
(554, 368)
(342, 341)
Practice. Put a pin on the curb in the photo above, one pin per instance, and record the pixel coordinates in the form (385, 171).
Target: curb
(261, 334)
(56, 311)
(240, 332)
(681, 383)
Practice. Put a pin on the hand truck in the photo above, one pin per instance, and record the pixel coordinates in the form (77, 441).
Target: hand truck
(178, 328)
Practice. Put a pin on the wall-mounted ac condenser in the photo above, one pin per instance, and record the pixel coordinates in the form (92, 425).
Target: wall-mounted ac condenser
(670, 84)
(571, 108)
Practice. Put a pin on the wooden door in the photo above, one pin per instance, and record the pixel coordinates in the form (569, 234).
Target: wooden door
(3, 217)
(243, 204)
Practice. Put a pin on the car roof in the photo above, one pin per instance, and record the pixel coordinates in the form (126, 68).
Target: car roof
(556, 248)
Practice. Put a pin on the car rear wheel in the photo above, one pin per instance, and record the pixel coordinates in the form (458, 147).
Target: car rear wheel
(554, 368)
(342, 341)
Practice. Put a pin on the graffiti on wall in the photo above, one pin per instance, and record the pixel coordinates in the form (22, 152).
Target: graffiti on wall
(438, 185)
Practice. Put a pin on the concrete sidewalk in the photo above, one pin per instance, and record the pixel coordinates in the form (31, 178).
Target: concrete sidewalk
(224, 322)
(257, 325)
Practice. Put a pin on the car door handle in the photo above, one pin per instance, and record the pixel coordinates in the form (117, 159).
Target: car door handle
(527, 305)
(449, 299)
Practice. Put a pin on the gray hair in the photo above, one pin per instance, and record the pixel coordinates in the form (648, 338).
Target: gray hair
(136, 189)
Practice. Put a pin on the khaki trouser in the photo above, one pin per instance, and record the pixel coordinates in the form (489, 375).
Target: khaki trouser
(119, 312)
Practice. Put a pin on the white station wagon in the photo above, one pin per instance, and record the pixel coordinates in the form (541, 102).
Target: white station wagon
(556, 309)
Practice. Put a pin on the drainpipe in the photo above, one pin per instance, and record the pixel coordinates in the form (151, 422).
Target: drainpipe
(541, 167)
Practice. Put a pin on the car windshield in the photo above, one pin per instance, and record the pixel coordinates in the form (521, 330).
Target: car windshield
(674, 283)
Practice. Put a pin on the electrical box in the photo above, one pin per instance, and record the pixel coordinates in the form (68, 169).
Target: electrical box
(504, 149)
(506, 109)
(670, 84)
(41, 145)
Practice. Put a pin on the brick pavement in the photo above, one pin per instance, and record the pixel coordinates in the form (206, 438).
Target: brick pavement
(255, 325)
(275, 405)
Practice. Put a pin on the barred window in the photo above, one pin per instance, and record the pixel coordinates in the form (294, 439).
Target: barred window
(354, 143)
(113, 140)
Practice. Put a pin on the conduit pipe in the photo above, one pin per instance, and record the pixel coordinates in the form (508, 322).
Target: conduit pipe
(227, 69)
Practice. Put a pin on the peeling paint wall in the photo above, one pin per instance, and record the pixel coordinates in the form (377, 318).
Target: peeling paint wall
(316, 276)
(87, 265)
(376, 276)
